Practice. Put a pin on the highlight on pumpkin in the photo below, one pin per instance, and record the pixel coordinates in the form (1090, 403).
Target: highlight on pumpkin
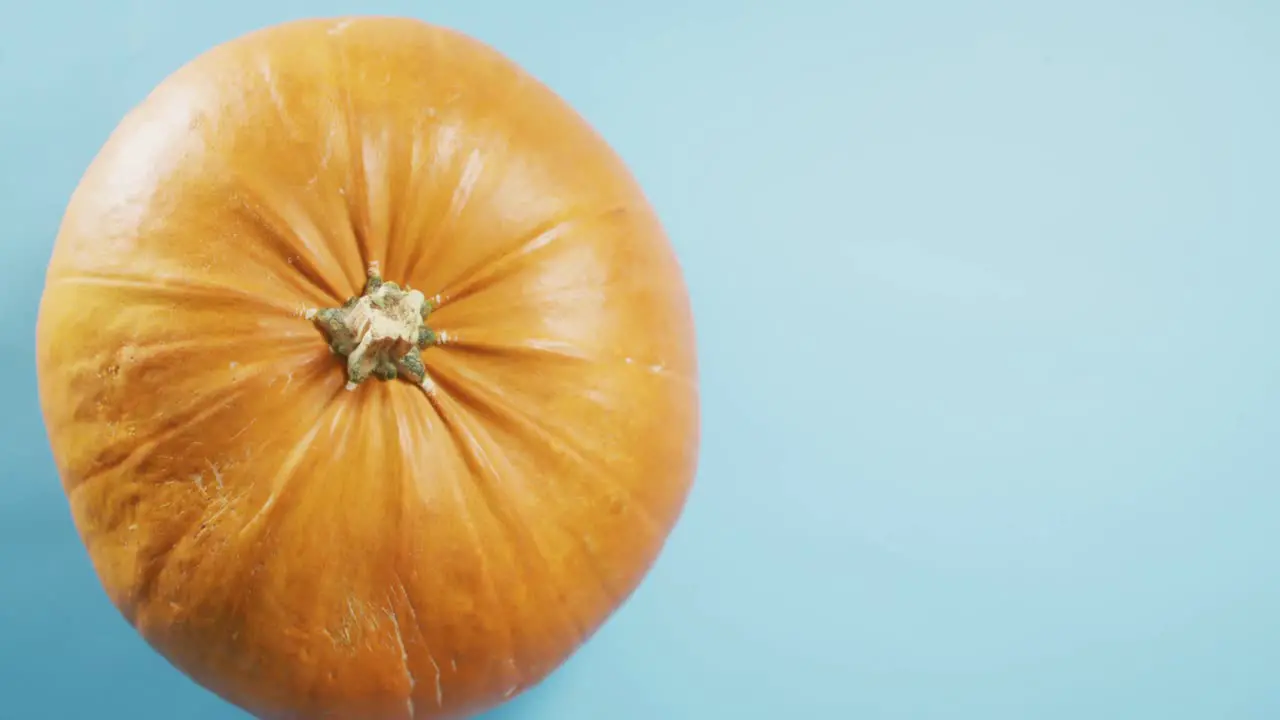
(381, 332)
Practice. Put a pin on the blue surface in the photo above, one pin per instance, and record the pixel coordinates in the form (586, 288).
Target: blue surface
(988, 297)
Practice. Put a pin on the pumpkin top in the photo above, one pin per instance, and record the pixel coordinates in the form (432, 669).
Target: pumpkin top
(283, 226)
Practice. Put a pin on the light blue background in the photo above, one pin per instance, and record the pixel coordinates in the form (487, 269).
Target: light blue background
(990, 336)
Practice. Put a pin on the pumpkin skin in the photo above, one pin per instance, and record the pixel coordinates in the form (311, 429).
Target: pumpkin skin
(395, 550)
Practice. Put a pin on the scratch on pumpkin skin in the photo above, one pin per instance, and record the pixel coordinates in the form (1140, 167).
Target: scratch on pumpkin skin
(439, 686)
(413, 617)
(143, 351)
(217, 471)
(246, 428)
(467, 516)
(404, 657)
(212, 403)
(286, 473)
(223, 505)
(464, 512)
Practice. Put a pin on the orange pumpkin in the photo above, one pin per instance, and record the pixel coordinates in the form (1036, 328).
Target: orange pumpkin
(369, 373)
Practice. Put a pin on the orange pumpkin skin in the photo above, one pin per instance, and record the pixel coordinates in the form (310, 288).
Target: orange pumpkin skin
(395, 550)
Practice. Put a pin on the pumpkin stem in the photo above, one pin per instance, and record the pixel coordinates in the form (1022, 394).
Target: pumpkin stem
(381, 333)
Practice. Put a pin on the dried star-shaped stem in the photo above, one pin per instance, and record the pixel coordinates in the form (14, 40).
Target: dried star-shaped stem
(380, 333)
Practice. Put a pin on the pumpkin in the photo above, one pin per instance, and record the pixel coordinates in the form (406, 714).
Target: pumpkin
(368, 371)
